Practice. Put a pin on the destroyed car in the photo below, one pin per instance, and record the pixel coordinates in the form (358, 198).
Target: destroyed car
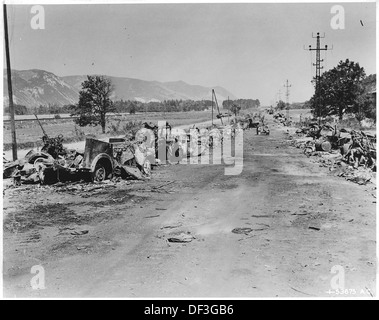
(119, 157)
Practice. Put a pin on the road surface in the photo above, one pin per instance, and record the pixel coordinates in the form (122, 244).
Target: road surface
(302, 224)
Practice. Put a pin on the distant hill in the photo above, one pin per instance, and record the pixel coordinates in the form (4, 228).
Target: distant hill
(38, 87)
(145, 91)
(32, 88)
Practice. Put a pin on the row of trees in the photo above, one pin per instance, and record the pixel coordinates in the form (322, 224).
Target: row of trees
(164, 106)
(41, 109)
(95, 102)
(18, 109)
(243, 104)
(345, 89)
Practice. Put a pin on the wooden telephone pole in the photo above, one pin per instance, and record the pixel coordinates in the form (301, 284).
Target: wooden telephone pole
(10, 92)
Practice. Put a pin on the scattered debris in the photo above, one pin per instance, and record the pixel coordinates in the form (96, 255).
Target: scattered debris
(245, 231)
(279, 117)
(243, 239)
(352, 154)
(163, 185)
(171, 227)
(300, 214)
(181, 238)
(79, 233)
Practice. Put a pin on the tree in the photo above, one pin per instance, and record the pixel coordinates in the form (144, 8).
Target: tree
(338, 89)
(18, 109)
(132, 108)
(365, 104)
(280, 105)
(364, 107)
(94, 102)
(235, 109)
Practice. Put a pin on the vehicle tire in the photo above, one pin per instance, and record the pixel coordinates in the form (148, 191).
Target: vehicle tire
(100, 174)
(38, 160)
(308, 151)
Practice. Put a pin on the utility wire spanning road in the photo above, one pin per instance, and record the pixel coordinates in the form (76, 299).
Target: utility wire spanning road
(302, 222)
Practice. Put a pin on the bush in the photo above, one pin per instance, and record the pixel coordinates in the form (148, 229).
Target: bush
(131, 127)
(78, 132)
(114, 127)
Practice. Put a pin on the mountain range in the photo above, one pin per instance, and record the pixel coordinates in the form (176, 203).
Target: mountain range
(34, 87)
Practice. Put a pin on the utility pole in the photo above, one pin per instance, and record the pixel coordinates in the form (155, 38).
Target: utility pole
(318, 70)
(287, 86)
(228, 110)
(10, 92)
(212, 107)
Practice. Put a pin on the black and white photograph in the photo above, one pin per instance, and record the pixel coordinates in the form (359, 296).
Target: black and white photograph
(189, 150)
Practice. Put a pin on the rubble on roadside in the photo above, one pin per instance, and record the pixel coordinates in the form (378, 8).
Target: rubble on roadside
(349, 153)
(256, 121)
(123, 158)
(280, 118)
(128, 158)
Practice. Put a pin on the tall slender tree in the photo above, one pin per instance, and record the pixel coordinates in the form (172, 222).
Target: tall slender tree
(94, 102)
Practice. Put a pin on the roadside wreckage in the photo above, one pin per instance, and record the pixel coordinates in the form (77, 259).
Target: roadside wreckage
(120, 157)
(100, 161)
(127, 157)
(279, 117)
(351, 153)
(257, 121)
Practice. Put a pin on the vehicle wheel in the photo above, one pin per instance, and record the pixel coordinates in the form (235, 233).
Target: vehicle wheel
(308, 151)
(38, 161)
(100, 174)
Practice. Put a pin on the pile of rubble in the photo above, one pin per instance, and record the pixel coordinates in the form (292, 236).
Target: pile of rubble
(130, 157)
(351, 153)
(257, 121)
(279, 117)
(100, 161)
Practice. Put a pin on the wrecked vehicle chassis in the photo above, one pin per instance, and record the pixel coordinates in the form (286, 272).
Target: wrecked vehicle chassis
(103, 160)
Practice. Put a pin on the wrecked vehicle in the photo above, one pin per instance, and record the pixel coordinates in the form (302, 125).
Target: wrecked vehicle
(100, 161)
(118, 157)
(264, 129)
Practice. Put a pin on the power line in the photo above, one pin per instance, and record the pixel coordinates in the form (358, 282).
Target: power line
(318, 66)
(287, 86)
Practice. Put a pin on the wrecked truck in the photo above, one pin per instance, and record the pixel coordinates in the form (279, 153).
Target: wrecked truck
(118, 157)
(100, 161)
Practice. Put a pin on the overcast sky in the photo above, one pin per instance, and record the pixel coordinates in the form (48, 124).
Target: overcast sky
(249, 49)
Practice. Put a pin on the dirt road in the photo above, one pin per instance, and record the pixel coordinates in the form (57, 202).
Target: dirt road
(112, 242)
